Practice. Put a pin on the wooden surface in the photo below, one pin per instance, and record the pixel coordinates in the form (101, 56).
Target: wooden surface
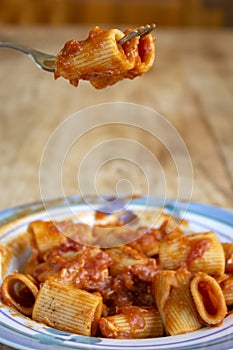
(190, 85)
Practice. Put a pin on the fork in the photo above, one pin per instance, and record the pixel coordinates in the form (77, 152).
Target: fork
(47, 62)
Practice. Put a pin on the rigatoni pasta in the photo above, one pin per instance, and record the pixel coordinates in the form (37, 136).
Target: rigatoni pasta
(44, 236)
(68, 308)
(208, 298)
(198, 252)
(226, 285)
(228, 253)
(20, 291)
(171, 290)
(163, 283)
(102, 60)
(125, 259)
(132, 322)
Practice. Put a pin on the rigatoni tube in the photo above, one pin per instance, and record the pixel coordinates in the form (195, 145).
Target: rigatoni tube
(20, 291)
(208, 298)
(68, 308)
(227, 289)
(171, 291)
(102, 60)
(198, 252)
(132, 322)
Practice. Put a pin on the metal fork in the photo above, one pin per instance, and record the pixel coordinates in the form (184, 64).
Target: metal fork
(41, 59)
(47, 62)
(141, 31)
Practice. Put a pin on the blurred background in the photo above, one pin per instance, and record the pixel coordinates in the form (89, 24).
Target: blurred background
(166, 13)
(191, 85)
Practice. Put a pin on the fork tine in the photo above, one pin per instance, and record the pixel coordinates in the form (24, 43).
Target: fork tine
(141, 31)
(147, 29)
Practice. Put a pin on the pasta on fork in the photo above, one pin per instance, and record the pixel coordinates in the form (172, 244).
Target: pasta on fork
(102, 60)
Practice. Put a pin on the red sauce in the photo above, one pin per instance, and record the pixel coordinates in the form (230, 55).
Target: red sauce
(145, 270)
(85, 268)
(22, 295)
(209, 301)
(134, 316)
(197, 250)
(72, 47)
(95, 32)
(145, 48)
(147, 240)
(99, 215)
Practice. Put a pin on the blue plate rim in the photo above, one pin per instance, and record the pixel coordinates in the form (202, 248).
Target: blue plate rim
(204, 209)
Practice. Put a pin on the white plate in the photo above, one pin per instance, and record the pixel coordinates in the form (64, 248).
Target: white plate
(23, 333)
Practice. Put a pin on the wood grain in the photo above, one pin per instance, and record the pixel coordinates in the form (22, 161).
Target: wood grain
(169, 13)
(190, 85)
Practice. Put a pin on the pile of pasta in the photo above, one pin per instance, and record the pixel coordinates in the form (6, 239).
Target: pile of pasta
(165, 282)
(102, 60)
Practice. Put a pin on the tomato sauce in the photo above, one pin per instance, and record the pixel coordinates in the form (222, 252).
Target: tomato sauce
(197, 250)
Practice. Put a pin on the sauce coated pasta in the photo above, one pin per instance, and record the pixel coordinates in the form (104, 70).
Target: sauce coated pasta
(163, 283)
(101, 60)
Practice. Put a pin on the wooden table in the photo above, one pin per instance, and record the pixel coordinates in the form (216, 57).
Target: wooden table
(190, 86)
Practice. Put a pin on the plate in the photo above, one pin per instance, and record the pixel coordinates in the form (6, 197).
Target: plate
(23, 333)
